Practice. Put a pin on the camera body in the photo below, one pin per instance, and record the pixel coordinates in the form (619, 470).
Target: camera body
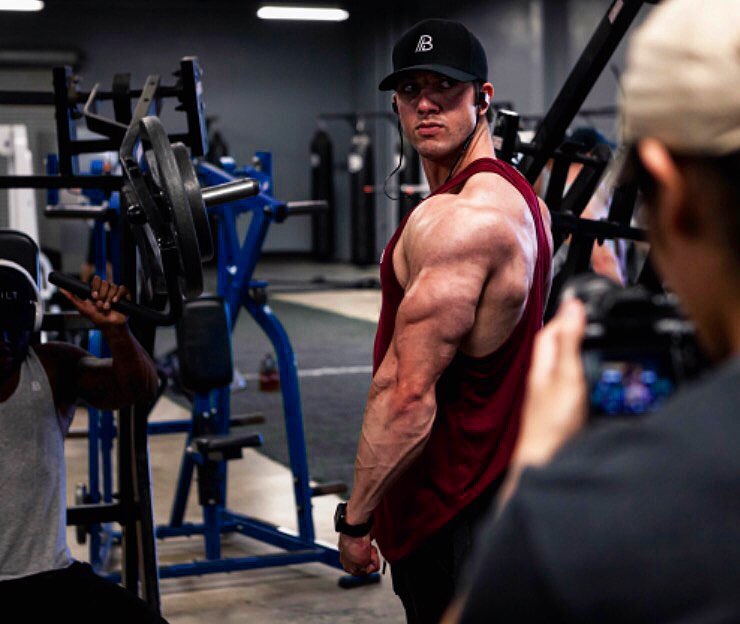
(638, 347)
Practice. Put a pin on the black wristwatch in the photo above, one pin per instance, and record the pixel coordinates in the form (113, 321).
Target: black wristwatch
(353, 530)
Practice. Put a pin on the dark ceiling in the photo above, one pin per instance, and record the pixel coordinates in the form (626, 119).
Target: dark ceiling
(247, 6)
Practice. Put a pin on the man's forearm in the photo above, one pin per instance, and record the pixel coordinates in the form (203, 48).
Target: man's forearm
(394, 432)
(134, 372)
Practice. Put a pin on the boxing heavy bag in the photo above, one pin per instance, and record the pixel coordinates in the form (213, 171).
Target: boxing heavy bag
(362, 198)
(322, 187)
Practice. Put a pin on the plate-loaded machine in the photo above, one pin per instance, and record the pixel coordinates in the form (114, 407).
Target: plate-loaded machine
(165, 218)
(237, 289)
(167, 213)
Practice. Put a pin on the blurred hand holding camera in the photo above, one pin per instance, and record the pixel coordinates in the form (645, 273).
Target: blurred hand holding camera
(556, 406)
(556, 403)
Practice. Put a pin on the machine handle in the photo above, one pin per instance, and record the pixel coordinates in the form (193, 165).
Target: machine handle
(282, 211)
(309, 206)
(230, 191)
(81, 211)
(84, 291)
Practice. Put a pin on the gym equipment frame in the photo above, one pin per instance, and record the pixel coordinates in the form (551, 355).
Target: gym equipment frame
(132, 509)
(531, 157)
(236, 264)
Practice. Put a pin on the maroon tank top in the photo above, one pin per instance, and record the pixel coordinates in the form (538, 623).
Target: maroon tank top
(479, 401)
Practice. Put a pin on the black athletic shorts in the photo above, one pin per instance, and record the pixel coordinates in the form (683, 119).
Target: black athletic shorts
(73, 594)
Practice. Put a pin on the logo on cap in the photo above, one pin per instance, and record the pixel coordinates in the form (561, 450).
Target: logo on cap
(425, 43)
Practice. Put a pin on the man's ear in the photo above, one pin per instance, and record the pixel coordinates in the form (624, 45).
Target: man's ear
(487, 91)
(673, 206)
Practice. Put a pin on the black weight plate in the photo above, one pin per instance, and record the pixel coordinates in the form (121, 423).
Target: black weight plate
(153, 284)
(180, 213)
(151, 167)
(195, 198)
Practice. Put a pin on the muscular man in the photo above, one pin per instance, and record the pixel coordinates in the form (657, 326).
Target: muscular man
(39, 389)
(464, 281)
(640, 521)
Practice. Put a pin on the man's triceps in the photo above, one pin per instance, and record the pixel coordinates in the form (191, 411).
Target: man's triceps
(438, 310)
(402, 403)
(442, 299)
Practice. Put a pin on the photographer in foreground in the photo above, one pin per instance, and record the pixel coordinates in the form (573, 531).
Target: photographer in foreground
(639, 520)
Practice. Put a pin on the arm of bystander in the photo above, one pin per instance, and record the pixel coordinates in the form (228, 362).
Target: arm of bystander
(127, 377)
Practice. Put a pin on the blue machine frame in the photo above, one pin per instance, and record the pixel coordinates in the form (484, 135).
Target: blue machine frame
(236, 265)
(101, 425)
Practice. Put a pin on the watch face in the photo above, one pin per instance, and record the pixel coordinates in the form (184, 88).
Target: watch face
(339, 515)
(341, 526)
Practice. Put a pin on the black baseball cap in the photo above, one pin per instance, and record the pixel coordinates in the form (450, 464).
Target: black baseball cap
(441, 46)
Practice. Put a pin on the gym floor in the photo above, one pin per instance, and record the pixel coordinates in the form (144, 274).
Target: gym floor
(331, 331)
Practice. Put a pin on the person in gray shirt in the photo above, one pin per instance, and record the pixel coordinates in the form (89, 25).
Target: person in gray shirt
(39, 389)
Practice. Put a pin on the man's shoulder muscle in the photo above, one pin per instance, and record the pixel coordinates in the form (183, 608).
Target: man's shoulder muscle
(454, 227)
(60, 360)
(488, 222)
(55, 353)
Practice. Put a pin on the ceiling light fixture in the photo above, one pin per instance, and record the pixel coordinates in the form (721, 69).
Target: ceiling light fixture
(321, 14)
(21, 5)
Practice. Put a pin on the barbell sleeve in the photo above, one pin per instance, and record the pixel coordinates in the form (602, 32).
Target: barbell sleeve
(230, 191)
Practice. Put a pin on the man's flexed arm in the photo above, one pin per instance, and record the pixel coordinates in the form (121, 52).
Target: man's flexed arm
(450, 264)
(438, 310)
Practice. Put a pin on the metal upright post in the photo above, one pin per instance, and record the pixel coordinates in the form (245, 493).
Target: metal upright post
(581, 80)
(293, 413)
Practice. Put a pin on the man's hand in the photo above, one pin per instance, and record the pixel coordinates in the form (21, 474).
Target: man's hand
(555, 406)
(98, 307)
(358, 555)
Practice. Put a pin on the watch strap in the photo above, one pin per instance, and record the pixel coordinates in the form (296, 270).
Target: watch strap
(353, 530)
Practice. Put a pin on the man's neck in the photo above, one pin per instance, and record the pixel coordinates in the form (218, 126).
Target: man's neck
(703, 275)
(481, 146)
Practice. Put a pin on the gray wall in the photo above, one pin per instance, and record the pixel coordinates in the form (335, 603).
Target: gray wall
(267, 81)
